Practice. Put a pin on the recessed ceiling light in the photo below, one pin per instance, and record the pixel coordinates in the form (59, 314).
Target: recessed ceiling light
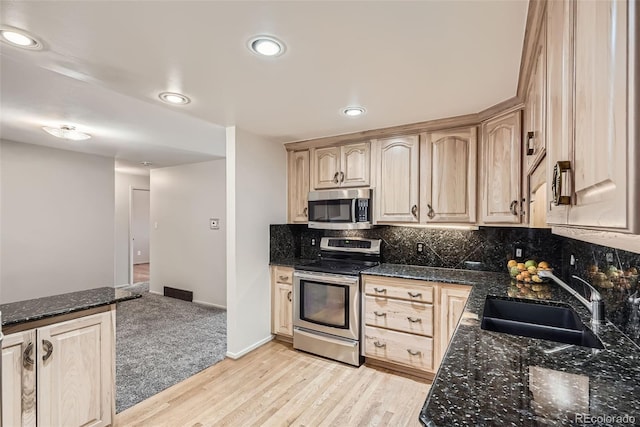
(146, 163)
(354, 111)
(19, 38)
(66, 132)
(174, 98)
(266, 46)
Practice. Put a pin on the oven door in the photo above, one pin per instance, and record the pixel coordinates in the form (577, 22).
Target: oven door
(327, 303)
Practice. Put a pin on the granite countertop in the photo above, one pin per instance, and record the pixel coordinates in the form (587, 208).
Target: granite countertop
(489, 378)
(290, 262)
(26, 311)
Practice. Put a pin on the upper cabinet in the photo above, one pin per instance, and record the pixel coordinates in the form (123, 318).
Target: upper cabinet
(534, 110)
(501, 194)
(448, 176)
(298, 186)
(342, 166)
(592, 126)
(396, 164)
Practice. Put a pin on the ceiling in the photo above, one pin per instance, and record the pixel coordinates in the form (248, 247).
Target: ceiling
(104, 63)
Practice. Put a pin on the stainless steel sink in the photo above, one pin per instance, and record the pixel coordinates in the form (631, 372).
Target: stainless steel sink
(537, 320)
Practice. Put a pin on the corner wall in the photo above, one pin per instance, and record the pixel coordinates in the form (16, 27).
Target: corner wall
(256, 197)
(185, 253)
(56, 221)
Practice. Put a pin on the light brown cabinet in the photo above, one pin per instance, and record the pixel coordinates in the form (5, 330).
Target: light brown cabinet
(342, 166)
(397, 179)
(73, 362)
(298, 184)
(282, 301)
(534, 109)
(501, 172)
(448, 176)
(410, 322)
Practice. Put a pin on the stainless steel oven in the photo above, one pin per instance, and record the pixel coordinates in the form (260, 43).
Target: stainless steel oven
(327, 301)
(326, 315)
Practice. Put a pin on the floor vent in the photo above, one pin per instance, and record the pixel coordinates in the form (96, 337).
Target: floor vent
(178, 293)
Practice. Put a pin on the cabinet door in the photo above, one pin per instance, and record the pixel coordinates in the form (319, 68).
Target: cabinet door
(356, 163)
(19, 379)
(559, 99)
(452, 302)
(298, 186)
(448, 176)
(282, 309)
(326, 167)
(397, 179)
(534, 112)
(601, 145)
(75, 377)
(501, 170)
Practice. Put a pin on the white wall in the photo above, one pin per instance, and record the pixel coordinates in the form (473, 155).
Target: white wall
(56, 221)
(185, 252)
(256, 197)
(140, 226)
(123, 181)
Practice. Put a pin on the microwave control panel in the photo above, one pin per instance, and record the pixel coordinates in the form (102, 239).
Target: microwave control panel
(362, 210)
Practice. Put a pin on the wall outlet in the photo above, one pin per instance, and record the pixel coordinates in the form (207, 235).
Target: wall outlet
(139, 253)
(214, 223)
(609, 257)
(420, 248)
(572, 260)
(313, 241)
(519, 252)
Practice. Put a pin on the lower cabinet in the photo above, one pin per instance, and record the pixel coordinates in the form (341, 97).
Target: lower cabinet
(410, 322)
(63, 372)
(282, 301)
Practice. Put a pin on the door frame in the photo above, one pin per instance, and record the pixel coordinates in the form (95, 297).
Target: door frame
(131, 190)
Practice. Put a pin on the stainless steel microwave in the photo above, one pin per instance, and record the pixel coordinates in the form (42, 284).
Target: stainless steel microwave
(340, 209)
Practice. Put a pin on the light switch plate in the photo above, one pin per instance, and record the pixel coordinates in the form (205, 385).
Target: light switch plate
(214, 223)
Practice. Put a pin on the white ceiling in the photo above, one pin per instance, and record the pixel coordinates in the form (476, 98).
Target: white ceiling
(104, 63)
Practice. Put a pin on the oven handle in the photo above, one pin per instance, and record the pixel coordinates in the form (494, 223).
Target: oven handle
(328, 278)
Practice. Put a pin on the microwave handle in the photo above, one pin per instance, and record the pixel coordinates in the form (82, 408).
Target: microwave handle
(354, 202)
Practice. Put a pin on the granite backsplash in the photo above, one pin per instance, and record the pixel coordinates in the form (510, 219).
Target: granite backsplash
(489, 248)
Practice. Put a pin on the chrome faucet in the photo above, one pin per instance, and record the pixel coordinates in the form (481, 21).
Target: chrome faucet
(594, 304)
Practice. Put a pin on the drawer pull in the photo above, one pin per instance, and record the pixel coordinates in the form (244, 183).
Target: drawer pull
(27, 356)
(289, 296)
(380, 291)
(416, 295)
(416, 320)
(414, 353)
(380, 314)
(284, 278)
(379, 344)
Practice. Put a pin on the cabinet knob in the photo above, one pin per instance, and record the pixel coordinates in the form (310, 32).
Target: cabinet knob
(513, 207)
(341, 176)
(289, 296)
(335, 178)
(414, 211)
(431, 213)
(305, 211)
(48, 349)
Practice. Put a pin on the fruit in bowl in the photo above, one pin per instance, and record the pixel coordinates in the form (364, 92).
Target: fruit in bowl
(527, 272)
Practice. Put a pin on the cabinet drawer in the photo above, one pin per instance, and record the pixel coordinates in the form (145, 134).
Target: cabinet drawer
(399, 347)
(406, 316)
(411, 290)
(283, 274)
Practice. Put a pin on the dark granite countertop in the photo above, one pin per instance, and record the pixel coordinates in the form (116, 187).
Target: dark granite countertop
(289, 262)
(495, 379)
(26, 311)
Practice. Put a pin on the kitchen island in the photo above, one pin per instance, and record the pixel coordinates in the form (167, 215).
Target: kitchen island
(495, 379)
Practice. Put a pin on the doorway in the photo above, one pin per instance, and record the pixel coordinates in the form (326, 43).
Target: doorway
(139, 228)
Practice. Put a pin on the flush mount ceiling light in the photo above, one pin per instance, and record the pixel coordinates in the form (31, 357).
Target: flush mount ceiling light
(266, 46)
(174, 98)
(146, 163)
(66, 132)
(353, 111)
(19, 38)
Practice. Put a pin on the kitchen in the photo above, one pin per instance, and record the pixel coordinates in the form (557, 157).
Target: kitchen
(251, 182)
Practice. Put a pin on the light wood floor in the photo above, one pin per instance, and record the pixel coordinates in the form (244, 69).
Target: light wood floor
(278, 386)
(140, 273)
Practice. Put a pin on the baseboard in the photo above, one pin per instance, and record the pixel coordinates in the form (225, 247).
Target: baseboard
(208, 304)
(249, 349)
(155, 292)
(121, 286)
